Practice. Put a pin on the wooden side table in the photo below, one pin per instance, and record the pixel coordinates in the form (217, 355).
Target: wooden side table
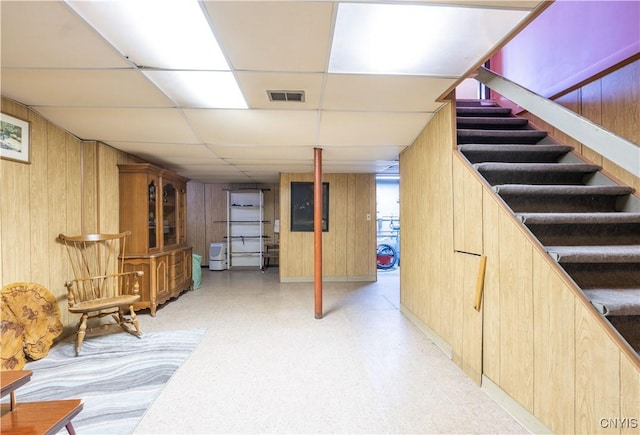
(10, 381)
(46, 417)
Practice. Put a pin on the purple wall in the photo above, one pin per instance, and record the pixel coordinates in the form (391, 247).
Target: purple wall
(570, 42)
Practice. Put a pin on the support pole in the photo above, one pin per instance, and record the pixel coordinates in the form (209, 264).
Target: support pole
(317, 231)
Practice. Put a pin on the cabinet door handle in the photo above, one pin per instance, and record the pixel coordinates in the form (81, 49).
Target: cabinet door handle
(480, 283)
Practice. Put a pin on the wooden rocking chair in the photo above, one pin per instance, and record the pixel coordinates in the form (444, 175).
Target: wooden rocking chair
(101, 286)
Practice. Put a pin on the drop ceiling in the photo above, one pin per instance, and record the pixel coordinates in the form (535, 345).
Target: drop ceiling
(58, 65)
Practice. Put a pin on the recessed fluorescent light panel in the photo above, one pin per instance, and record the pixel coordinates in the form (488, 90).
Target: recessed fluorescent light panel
(414, 39)
(162, 35)
(200, 89)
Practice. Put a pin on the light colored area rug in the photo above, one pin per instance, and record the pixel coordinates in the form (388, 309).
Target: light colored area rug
(117, 375)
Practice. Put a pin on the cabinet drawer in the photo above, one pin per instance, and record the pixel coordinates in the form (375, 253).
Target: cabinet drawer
(178, 260)
(179, 278)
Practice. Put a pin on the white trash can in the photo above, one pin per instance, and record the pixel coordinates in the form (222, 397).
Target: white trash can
(218, 256)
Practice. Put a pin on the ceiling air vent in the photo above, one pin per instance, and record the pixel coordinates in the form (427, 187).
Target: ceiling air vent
(297, 96)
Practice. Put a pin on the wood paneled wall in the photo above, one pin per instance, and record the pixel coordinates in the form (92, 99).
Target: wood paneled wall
(349, 247)
(542, 342)
(69, 187)
(207, 213)
(612, 101)
(426, 219)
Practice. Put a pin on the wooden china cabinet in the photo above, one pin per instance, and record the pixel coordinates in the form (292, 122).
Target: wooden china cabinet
(153, 207)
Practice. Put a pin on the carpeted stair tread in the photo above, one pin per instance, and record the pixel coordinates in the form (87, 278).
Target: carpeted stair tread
(535, 173)
(483, 111)
(470, 135)
(556, 229)
(615, 301)
(491, 122)
(562, 190)
(523, 198)
(475, 103)
(595, 254)
(584, 168)
(513, 153)
(579, 218)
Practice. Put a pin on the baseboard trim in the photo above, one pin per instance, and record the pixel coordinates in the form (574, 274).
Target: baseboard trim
(437, 340)
(517, 411)
(513, 408)
(363, 278)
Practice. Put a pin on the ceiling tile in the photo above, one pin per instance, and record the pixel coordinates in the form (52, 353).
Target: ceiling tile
(204, 168)
(270, 177)
(262, 166)
(177, 152)
(254, 127)
(273, 36)
(90, 88)
(124, 125)
(355, 167)
(239, 152)
(254, 86)
(52, 36)
(366, 153)
(215, 177)
(371, 128)
(383, 93)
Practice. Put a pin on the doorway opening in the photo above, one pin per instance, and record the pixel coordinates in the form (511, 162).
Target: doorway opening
(388, 222)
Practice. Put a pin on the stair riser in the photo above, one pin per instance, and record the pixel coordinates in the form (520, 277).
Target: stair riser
(495, 123)
(587, 235)
(596, 275)
(628, 326)
(484, 111)
(512, 157)
(538, 178)
(476, 103)
(505, 139)
(560, 203)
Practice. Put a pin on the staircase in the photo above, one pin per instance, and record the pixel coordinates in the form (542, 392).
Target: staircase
(586, 222)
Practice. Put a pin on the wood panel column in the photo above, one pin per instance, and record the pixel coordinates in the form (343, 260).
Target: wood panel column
(317, 231)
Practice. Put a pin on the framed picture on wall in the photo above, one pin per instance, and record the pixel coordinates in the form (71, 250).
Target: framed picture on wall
(302, 206)
(14, 139)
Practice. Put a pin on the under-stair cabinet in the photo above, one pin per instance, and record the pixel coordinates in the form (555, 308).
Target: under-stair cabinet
(153, 208)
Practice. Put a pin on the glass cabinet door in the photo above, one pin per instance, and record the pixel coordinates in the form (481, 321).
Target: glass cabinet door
(181, 210)
(169, 209)
(153, 192)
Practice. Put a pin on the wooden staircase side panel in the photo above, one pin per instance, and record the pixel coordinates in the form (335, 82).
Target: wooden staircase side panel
(550, 364)
(543, 342)
(598, 392)
(553, 348)
(629, 395)
(467, 211)
(426, 219)
(491, 303)
(516, 312)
